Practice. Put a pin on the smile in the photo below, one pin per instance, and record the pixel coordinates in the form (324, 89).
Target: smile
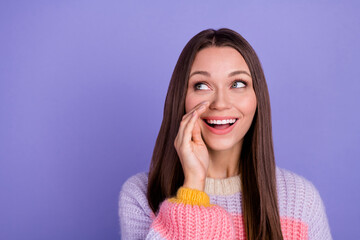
(221, 126)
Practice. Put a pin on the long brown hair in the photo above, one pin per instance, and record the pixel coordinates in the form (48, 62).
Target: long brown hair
(257, 161)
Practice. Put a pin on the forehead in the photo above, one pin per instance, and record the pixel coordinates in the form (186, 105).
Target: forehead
(219, 59)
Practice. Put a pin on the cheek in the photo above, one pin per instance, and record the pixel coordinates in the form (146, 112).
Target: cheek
(191, 101)
(248, 104)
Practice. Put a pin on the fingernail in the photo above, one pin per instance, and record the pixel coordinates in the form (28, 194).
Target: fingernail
(201, 107)
(204, 102)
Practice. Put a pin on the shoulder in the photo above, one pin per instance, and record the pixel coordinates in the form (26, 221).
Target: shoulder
(291, 181)
(133, 193)
(300, 203)
(136, 182)
(135, 213)
(298, 197)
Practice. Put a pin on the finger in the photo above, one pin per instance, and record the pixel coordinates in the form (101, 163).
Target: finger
(196, 108)
(182, 126)
(196, 133)
(189, 127)
(200, 108)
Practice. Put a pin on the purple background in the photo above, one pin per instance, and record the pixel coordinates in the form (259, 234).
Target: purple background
(82, 90)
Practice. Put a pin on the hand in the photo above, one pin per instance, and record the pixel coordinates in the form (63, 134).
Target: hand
(191, 148)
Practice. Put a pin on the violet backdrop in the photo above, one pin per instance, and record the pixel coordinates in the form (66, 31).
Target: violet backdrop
(82, 90)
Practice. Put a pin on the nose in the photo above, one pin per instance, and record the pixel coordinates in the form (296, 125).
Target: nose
(219, 101)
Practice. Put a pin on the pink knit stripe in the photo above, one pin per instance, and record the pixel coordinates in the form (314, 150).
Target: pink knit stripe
(239, 226)
(213, 223)
(179, 221)
(293, 229)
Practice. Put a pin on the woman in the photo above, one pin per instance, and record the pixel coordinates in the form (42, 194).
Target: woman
(213, 173)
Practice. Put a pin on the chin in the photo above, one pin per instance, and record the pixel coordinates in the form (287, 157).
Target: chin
(219, 145)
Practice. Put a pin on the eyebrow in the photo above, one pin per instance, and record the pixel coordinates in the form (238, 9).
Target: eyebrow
(207, 74)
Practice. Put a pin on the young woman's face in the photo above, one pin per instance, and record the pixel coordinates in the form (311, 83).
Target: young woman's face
(221, 76)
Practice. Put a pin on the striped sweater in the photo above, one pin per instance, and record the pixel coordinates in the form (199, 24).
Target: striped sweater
(216, 213)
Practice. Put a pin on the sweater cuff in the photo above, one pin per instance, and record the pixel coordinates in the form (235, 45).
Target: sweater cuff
(192, 197)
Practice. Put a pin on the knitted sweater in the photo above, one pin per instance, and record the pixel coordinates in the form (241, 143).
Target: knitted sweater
(216, 213)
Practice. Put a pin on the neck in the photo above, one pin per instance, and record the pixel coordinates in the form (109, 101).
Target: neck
(224, 163)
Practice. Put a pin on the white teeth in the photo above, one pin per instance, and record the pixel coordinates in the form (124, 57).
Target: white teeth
(221, 121)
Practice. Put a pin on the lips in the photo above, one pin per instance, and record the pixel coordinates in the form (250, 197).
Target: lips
(220, 129)
(219, 118)
(213, 124)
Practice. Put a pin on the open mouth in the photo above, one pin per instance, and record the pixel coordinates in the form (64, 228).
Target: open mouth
(221, 125)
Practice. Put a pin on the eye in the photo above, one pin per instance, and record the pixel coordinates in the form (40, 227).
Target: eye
(239, 84)
(200, 86)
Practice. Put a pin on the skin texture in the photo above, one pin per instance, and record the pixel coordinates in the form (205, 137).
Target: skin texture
(215, 84)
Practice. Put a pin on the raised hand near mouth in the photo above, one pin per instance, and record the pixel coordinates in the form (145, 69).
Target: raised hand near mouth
(191, 148)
